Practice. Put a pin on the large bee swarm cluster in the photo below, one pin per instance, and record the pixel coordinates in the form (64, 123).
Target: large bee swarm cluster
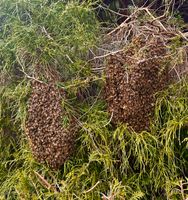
(49, 141)
(133, 76)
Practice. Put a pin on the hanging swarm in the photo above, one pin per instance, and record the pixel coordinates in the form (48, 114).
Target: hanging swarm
(133, 77)
(50, 142)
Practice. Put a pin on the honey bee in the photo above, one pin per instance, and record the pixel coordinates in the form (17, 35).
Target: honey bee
(49, 141)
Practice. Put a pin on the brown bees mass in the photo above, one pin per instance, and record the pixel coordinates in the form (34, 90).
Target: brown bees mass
(133, 77)
(49, 141)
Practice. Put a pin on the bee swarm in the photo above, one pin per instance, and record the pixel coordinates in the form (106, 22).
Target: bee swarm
(49, 141)
(133, 76)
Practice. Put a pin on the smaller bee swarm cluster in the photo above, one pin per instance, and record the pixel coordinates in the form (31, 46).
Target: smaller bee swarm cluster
(133, 76)
(49, 141)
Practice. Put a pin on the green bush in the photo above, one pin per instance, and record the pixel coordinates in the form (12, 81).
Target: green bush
(41, 36)
(109, 162)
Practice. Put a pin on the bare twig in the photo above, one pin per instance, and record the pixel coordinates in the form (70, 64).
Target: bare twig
(69, 58)
(112, 11)
(92, 187)
(109, 120)
(31, 77)
(45, 183)
(182, 190)
(123, 23)
(106, 55)
(154, 18)
(47, 34)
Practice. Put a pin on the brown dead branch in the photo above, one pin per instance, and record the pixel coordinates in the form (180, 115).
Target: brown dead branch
(45, 183)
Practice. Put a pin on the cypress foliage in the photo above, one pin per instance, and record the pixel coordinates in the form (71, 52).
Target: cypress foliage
(47, 42)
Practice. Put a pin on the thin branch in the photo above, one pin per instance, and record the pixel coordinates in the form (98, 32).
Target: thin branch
(30, 77)
(182, 190)
(47, 34)
(92, 187)
(45, 183)
(109, 120)
(69, 58)
(112, 11)
(106, 55)
(154, 18)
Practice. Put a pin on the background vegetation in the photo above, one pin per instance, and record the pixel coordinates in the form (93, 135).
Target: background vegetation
(43, 40)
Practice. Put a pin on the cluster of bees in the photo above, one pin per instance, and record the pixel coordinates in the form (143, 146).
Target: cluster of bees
(133, 77)
(50, 142)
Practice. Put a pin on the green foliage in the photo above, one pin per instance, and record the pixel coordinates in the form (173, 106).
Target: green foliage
(39, 36)
(109, 162)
